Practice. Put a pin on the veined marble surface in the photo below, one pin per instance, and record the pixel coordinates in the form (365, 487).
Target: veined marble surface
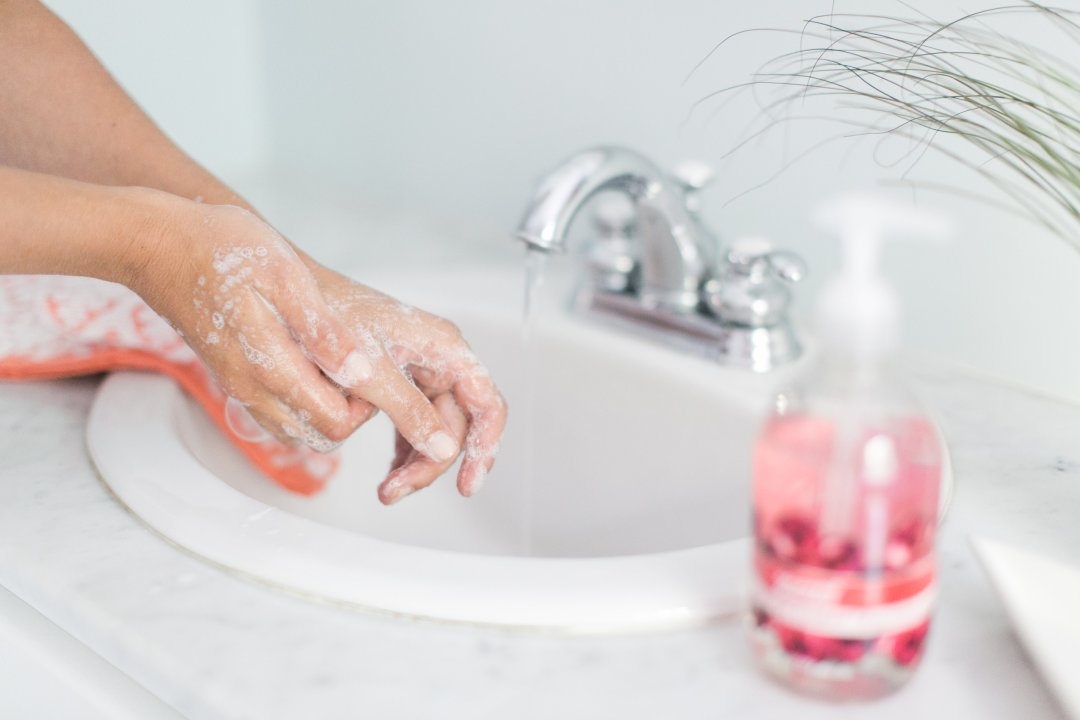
(215, 646)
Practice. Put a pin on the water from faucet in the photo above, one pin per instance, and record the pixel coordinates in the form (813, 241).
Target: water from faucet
(535, 261)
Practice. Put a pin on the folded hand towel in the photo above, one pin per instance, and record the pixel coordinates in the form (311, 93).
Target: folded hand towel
(55, 326)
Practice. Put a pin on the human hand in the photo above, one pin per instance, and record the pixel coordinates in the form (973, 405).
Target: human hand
(442, 366)
(247, 304)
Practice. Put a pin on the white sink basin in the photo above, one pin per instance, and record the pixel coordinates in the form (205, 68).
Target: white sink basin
(639, 502)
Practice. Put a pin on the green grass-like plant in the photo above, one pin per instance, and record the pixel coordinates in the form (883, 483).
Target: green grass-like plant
(971, 88)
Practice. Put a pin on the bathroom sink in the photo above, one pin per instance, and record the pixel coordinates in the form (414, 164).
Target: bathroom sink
(635, 514)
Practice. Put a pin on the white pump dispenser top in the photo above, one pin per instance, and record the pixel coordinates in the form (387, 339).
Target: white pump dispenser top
(859, 314)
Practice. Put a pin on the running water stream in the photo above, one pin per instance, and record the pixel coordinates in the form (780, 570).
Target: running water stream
(535, 260)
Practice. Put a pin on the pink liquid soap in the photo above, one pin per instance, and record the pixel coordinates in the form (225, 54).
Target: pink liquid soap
(844, 523)
(846, 478)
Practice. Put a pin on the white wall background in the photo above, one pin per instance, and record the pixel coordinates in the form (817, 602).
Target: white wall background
(452, 110)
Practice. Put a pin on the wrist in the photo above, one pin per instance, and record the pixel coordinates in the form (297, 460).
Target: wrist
(149, 227)
(58, 226)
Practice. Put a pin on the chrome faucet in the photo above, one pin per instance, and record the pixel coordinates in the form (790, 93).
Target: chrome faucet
(654, 263)
(674, 259)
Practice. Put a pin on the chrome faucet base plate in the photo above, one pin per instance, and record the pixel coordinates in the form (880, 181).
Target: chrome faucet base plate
(759, 349)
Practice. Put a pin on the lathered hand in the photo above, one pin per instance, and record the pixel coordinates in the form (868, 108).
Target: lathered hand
(77, 161)
(252, 309)
(403, 339)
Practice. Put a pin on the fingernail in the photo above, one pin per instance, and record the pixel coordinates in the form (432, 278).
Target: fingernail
(396, 489)
(441, 447)
(356, 369)
(403, 491)
(478, 481)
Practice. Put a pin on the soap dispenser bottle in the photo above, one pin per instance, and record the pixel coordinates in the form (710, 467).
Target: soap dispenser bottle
(845, 489)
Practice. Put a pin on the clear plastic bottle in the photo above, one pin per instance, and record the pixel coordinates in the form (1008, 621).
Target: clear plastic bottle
(847, 472)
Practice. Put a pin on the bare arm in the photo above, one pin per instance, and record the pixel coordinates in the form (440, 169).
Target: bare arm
(79, 157)
(61, 113)
(54, 225)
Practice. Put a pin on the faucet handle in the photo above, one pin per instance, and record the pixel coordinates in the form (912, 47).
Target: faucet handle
(747, 254)
(752, 287)
(787, 266)
(755, 257)
(692, 176)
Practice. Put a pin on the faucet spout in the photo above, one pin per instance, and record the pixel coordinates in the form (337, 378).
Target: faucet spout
(675, 255)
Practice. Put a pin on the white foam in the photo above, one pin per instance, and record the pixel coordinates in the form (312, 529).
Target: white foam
(254, 355)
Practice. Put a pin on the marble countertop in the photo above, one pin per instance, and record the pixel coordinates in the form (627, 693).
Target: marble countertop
(215, 646)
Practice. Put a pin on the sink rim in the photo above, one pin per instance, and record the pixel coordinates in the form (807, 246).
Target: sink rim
(208, 518)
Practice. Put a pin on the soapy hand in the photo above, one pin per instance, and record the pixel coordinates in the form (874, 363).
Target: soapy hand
(403, 339)
(249, 306)
(90, 186)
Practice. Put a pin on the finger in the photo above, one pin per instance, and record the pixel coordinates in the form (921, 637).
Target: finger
(418, 471)
(287, 426)
(402, 451)
(410, 410)
(331, 345)
(275, 421)
(244, 424)
(286, 383)
(486, 410)
(432, 382)
(241, 423)
(469, 381)
(360, 411)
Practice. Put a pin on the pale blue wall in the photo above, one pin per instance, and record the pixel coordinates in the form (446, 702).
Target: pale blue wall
(453, 109)
(195, 66)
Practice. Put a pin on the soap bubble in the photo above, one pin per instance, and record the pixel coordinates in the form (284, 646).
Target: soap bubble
(241, 423)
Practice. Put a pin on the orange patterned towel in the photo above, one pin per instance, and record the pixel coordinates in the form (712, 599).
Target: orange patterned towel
(55, 326)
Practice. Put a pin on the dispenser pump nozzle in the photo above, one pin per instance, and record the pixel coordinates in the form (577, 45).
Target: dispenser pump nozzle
(859, 313)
